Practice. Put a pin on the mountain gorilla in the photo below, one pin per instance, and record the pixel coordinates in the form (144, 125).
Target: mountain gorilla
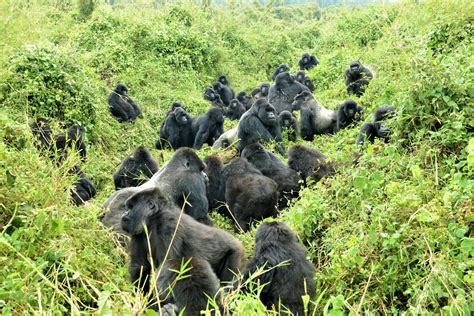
(272, 167)
(315, 118)
(248, 193)
(83, 189)
(259, 124)
(281, 69)
(309, 163)
(189, 290)
(288, 276)
(223, 79)
(289, 123)
(235, 110)
(357, 78)
(305, 80)
(213, 97)
(245, 100)
(308, 61)
(284, 91)
(122, 106)
(224, 92)
(370, 131)
(347, 113)
(226, 139)
(262, 91)
(208, 127)
(182, 179)
(384, 112)
(135, 170)
(176, 130)
(216, 187)
(153, 207)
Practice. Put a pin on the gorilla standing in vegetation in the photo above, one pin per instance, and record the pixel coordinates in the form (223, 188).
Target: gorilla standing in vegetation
(224, 92)
(308, 61)
(315, 119)
(135, 170)
(281, 69)
(384, 112)
(347, 113)
(176, 130)
(188, 290)
(153, 207)
(208, 127)
(272, 167)
(259, 124)
(303, 79)
(309, 163)
(249, 194)
(236, 110)
(73, 138)
(288, 274)
(182, 179)
(284, 91)
(289, 123)
(83, 189)
(377, 129)
(122, 106)
(262, 91)
(245, 100)
(357, 78)
(216, 187)
(213, 97)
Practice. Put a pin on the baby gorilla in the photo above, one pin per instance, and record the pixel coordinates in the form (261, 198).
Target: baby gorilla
(236, 110)
(262, 91)
(83, 190)
(348, 112)
(308, 61)
(215, 190)
(176, 130)
(377, 129)
(245, 100)
(303, 79)
(289, 123)
(135, 170)
(249, 194)
(288, 276)
(309, 163)
(357, 78)
(208, 127)
(189, 290)
(122, 106)
(182, 236)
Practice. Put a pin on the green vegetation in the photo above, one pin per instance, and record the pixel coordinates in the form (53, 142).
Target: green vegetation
(394, 234)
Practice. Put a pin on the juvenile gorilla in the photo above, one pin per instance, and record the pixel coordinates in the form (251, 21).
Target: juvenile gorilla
(309, 163)
(384, 112)
(276, 244)
(182, 179)
(153, 208)
(377, 129)
(224, 92)
(303, 79)
(213, 97)
(357, 78)
(348, 113)
(281, 69)
(135, 170)
(289, 123)
(236, 110)
(189, 290)
(284, 91)
(245, 100)
(262, 91)
(83, 190)
(315, 119)
(272, 167)
(308, 61)
(208, 127)
(259, 124)
(176, 130)
(122, 106)
(226, 139)
(248, 193)
(216, 187)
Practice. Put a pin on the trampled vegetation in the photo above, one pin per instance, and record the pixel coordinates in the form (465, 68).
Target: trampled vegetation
(392, 235)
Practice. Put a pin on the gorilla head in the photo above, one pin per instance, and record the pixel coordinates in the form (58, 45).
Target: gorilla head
(276, 231)
(301, 99)
(181, 117)
(210, 94)
(217, 86)
(300, 75)
(223, 79)
(355, 67)
(121, 89)
(284, 79)
(279, 70)
(266, 112)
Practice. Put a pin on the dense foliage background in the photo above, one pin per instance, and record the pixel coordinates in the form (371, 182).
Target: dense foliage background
(391, 235)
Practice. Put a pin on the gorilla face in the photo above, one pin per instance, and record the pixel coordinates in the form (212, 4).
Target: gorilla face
(350, 108)
(382, 130)
(266, 112)
(276, 231)
(355, 67)
(216, 115)
(181, 117)
(300, 76)
(209, 94)
(264, 89)
(285, 119)
(300, 99)
(223, 80)
(217, 86)
(306, 58)
(121, 89)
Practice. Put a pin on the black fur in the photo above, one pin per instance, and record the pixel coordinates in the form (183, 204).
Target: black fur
(176, 130)
(308, 61)
(282, 68)
(303, 79)
(245, 100)
(213, 97)
(309, 163)
(235, 110)
(135, 170)
(216, 187)
(262, 91)
(384, 112)
(357, 78)
(224, 92)
(284, 91)
(83, 189)
(289, 123)
(348, 113)
(123, 108)
(208, 127)
(371, 131)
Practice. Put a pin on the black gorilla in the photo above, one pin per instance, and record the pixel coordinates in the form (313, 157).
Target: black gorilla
(315, 119)
(248, 193)
(371, 131)
(288, 276)
(347, 113)
(83, 189)
(308, 61)
(152, 207)
(259, 124)
(262, 91)
(309, 163)
(122, 106)
(176, 130)
(208, 127)
(135, 170)
(289, 123)
(245, 100)
(224, 92)
(272, 167)
(223, 79)
(384, 112)
(235, 110)
(305, 80)
(188, 290)
(216, 187)
(357, 78)
(284, 91)
(281, 69)
(182, 179)
(213, 97)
